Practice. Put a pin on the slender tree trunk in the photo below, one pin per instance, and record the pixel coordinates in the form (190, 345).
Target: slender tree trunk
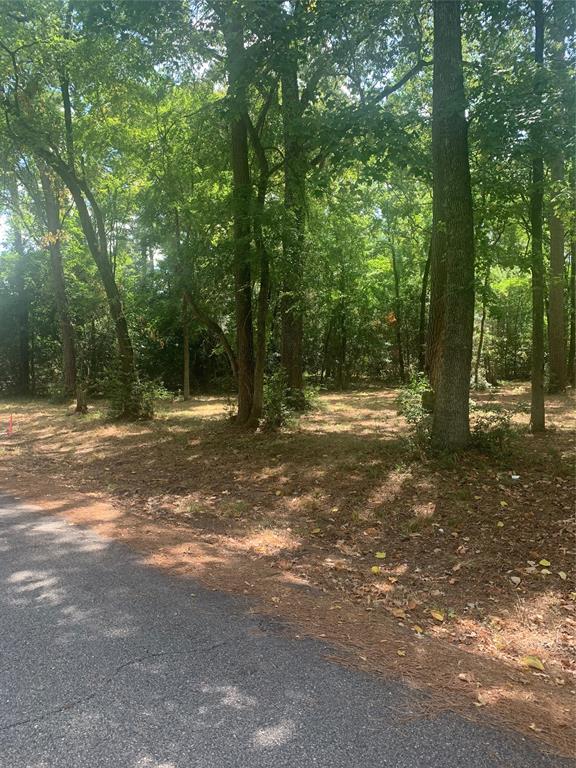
(186, 351)
(241, 194)
(52, 209)
(450, 425)
(22, 306)
(398, 313)
(94, 229)
(572, 344)
(293, 230)
(263, 261)
(263, 301)
(325, 348)
(556, 306)
(422, 317)
(537, 417)
(482, 326)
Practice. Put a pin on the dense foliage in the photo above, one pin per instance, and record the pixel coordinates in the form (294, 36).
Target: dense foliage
(201, 193)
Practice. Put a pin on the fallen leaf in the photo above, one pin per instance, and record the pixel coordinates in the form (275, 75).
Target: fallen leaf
(418, 629)
(398, 613)
(315, 530)
(515, 580)
(375, 569)
(545, 572)
(438, 615)
(562, 575)
(533, 727)
(278, 493)
(533, 662)
(503, 503)
(401, 653)
(500, 524)
(544, 562)
(380, 555)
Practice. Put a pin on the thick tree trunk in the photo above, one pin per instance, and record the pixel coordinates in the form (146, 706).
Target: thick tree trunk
(556, 306)
(422, 317)
(437, 257)
(293, 230)
(537, 417)
(52, 209)
(398, 313)
(241, 194)
(450, 425)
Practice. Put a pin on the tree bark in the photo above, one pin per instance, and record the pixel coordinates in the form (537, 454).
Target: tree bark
(450, 424)
(52, 209)
(537, 416)
(437, 257)
(241, 194)
(572, 344)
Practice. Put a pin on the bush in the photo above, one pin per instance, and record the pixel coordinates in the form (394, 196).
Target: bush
(491, 426)
(277, 411)
(413, 403)
(136, 401)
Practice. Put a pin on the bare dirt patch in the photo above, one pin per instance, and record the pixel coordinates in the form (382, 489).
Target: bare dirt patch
(456, 576)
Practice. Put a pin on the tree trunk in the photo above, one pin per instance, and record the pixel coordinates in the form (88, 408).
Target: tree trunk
(482, 326)
(52, 209)
(293, 230)
(437, 257)
(537, 417)
(22, 307)
(398, 313)
(241, 194)
(572, 344)
(422, 318)
(450, 425)
(94, 229)
(186, 349)
(556, 307)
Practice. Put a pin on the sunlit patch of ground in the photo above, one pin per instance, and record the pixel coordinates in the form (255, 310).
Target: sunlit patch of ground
(426, 568)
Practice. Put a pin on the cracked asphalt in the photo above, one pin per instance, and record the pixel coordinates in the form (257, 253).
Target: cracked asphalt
(107, 662)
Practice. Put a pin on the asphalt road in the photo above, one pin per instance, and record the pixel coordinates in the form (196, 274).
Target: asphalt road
(107, 662)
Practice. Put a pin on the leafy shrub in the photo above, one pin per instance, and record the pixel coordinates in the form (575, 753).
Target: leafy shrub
(136, 400)
(491, 426)
(277, 410)
(413, 403)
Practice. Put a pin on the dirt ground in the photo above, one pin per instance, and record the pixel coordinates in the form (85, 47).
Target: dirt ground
(455, 575)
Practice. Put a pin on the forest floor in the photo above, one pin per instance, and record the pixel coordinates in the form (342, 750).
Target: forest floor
(456, 576)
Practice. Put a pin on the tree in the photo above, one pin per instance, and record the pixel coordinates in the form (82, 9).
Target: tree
(237, 66)
(53, 239)
(450, 427)
(537, 418)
